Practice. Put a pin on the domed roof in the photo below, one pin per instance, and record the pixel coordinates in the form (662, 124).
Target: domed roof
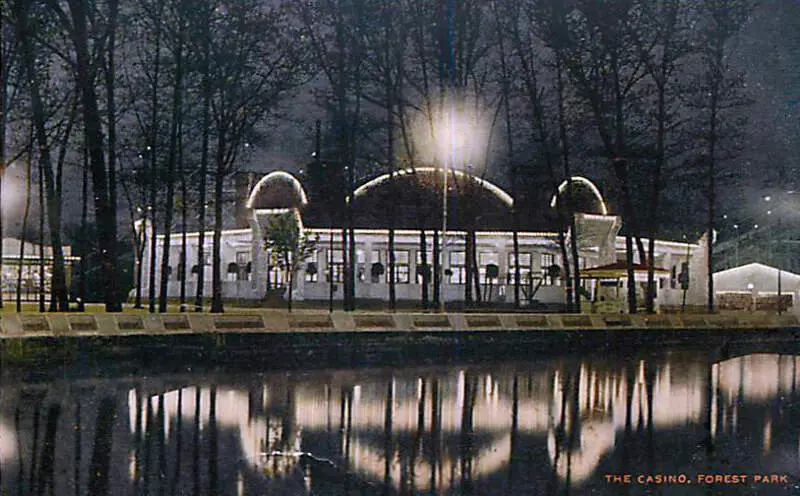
(277, 190)
(586, 198)
(415, 195)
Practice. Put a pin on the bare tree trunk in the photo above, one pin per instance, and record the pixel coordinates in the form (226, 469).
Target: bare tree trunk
(7, 59)
(62, 154)
(85, 239)
(392, 214)
(570, 208)
(712, 200)
(654, 201)
(510, 156)
(661, 117)
(567, 276)
(169, 204)
(710, 159)
(206, 118)
(41, 244)
(153, 165)
(392, 264)
(216, 262)
(345, 272)
(183, 257)
(106, 215)
(21, 260)
(437, 272)
(111, 119)
(475, 269)
(468, 301)
(621, 169)
(542, 135)
(291, 285)
(726, 19)
(24, 32)
(423, 257)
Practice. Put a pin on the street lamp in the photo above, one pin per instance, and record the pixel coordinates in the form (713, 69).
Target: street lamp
(454, 133)
(777, 261)
(452, 148)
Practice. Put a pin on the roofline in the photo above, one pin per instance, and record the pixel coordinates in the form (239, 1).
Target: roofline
(295, 182)
(376, 231)
(493, 188)
(587, 182)
(785, 273)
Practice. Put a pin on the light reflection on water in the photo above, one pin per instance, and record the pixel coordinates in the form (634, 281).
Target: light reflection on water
(543, 427)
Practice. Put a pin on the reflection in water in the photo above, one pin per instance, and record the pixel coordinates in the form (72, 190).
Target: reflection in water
(536, 428)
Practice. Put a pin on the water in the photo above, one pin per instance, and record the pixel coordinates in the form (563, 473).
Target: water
(563, 425)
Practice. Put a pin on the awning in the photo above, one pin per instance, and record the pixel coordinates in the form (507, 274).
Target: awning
(617, 270)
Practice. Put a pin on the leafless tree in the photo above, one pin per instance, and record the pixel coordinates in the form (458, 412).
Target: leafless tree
(251, 73)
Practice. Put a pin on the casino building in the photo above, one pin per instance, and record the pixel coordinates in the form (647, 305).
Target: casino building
(472, 204)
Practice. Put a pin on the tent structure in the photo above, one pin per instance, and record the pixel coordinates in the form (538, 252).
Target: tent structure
(756, 286)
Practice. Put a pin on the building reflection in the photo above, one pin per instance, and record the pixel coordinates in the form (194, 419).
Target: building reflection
(430, 430)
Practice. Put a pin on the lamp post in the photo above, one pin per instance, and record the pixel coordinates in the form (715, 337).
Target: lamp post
(685, 275)
(777, 257)
(454, 145)
(778, 265)
(443, 241)
(141, 240)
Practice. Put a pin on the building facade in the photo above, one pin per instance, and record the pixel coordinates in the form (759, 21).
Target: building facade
(23, 267)
(412, 202)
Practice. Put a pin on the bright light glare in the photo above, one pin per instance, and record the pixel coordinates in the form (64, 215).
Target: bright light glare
(13, 192)
(8, 444)
(456, 135)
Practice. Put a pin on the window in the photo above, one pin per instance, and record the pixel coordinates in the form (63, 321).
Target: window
(242, 259)
(525, 266)
(275, 276)
(402, 271)
(375, 274)
(361, 262)
(548, 261)
(683, 277)
(428, 261)
(673, 278)
(311, 267)
(458, 269)
(486, 258)
(335, 265)
(207, 254)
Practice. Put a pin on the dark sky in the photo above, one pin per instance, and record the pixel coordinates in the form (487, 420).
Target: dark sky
(768, 51)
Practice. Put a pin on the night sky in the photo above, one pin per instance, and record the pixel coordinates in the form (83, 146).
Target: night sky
(767, 51)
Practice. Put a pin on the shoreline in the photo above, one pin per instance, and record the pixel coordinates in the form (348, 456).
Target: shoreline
(28, 325)
(311, 340)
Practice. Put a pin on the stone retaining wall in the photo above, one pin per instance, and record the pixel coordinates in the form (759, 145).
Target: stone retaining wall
(22, 325)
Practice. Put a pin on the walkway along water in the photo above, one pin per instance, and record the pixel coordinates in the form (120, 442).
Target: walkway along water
(354, 338)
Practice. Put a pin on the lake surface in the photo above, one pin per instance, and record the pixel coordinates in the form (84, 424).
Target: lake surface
(549, 425)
